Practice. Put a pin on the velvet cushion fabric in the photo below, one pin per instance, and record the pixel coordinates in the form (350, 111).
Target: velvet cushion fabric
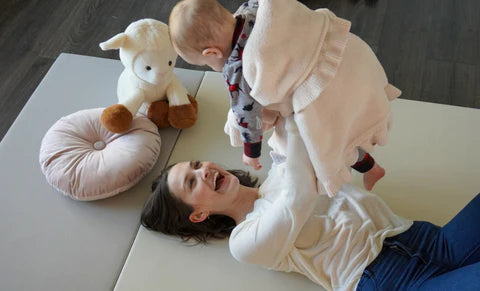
(84, 161)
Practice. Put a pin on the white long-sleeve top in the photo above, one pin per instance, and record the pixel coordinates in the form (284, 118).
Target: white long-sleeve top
(293, 228)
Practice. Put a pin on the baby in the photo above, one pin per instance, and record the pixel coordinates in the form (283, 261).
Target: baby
(286, 58)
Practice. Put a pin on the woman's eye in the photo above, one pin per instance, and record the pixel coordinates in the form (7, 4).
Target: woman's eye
(148, 68)
(191, 183)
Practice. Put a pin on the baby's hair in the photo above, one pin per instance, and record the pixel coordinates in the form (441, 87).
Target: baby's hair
(195, 24)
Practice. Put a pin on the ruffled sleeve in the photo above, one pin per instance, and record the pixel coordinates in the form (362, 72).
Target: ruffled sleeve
(288, 42)
(329, 59)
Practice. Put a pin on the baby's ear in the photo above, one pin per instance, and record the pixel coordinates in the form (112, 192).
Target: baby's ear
(115, 42)
(213, 52)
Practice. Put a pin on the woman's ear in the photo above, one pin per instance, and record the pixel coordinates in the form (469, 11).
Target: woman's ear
(212, 52)
(198, 216)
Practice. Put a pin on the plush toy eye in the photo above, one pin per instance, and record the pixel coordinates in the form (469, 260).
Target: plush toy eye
(148, 68)
(169, 63)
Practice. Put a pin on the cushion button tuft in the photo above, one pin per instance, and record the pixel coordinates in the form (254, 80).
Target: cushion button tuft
(99, 145)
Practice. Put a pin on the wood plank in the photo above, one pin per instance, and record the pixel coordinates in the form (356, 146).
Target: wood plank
(408, 36)
(403, 45)
(464, 84)
(437, 85)
(16, 92)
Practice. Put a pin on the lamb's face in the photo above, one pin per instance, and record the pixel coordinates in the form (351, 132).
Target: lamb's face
(154, 66)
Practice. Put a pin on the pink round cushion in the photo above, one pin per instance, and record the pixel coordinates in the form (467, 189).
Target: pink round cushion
(83, 160)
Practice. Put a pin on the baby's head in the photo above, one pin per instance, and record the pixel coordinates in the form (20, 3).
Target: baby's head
(201, 32)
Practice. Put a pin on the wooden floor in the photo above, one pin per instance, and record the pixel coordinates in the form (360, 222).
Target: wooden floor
(430, 48)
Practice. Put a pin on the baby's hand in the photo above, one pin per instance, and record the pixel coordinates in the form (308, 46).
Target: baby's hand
(252, 162)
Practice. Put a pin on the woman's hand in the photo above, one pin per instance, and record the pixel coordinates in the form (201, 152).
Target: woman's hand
(252, 162)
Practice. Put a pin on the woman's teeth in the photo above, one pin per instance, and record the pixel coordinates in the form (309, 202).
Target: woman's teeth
(215, 180)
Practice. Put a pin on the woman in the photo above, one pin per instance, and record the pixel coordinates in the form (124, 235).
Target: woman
(351, 241)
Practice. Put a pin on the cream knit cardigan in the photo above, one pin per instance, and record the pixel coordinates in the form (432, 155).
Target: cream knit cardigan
(305, 62)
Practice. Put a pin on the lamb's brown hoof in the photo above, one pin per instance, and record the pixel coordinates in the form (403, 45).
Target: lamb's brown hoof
(116, 118)
(194, 102)
(158, 113)
(183, 116)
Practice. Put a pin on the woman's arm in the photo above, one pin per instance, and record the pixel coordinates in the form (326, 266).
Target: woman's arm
(267, 239)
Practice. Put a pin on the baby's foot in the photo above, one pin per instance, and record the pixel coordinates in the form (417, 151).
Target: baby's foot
(371, 177)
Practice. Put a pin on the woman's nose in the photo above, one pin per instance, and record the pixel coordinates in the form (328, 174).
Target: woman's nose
(205, 172)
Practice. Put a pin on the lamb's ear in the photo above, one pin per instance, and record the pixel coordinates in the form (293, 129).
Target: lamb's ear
(115, 42)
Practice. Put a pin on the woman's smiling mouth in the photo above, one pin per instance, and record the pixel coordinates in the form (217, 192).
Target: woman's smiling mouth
(218, 180)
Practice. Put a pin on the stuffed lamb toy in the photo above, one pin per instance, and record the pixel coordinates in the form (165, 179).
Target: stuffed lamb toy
(148, 82)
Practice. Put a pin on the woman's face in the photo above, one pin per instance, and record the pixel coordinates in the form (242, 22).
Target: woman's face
(203, 185)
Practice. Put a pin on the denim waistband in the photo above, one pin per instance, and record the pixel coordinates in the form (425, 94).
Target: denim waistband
(414, 242)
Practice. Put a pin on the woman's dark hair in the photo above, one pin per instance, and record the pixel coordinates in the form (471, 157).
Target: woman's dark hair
(168, 214)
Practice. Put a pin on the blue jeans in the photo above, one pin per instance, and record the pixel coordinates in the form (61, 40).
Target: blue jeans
(429, 257)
